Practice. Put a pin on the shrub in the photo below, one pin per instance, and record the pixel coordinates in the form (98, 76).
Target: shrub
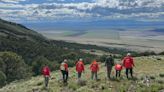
(81, 82)
(38, 64)
(14, 66)
(152, 77)
(2, 79)
(73, 86)
(161, 75)
(160, 81)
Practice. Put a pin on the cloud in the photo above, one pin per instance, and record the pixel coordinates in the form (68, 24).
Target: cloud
(97, 9)
(12, 1)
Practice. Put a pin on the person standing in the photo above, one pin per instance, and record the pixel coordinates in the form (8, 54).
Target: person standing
(46, 74)
(128, 63)
(109, 63)
(80, 67)
(94, 67)
(64, 70)
(118, 68)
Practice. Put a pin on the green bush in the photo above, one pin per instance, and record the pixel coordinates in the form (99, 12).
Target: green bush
(152, 77)
(161, 75)
(2, 79)
(39, 63)
(73, 86)
(13, 66)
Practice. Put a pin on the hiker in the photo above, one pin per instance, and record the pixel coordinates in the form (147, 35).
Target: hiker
(128, 63)
(109, 63)
(80, 67)
(118, 68)
(64, 70)
(46, 74)
(94, 67)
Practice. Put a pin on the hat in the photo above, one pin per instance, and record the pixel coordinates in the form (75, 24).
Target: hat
(80, 59)
(65, 60)
(128, 54)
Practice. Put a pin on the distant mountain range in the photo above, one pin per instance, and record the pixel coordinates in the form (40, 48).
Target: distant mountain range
(94, 25)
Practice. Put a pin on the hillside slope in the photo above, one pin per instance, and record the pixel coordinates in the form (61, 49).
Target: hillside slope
(151, 66)
(13, 29)
(30, 44)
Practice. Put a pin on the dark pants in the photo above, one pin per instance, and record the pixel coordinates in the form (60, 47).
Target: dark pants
(46, 79)
(93, 74)
(109, 69)
(79, 75)
(127, 72)
(118, 73)
(65, 76)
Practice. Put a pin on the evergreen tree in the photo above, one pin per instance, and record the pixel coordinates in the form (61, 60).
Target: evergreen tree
(13, 66)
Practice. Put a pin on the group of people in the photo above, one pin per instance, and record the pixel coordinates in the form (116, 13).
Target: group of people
(127, 63)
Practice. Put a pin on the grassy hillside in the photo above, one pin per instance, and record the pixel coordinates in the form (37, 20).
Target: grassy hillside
(13, 29)
(34, 49)
(30, 44)
(151, 66)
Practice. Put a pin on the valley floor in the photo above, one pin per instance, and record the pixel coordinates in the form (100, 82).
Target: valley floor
(133, 40)
(151, 66)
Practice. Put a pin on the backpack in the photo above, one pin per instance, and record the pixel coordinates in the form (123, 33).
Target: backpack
(110, 61)
(79, 65)
(94, 66)
(45, 70)
(62, 66)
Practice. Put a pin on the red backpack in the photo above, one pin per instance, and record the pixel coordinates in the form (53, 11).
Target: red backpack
(46, 71)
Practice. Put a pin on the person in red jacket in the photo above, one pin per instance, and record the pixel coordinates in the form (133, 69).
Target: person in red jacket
(128, 63)
(118, 68)
(94, 67)
(46, 74)
(80, 67)
(64, 70)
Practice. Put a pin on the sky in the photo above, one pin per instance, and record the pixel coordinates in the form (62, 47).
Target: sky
(83, 12)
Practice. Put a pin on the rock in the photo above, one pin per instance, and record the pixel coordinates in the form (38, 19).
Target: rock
(132, 88)
(35, 90)
(146, 81)
(81, 82)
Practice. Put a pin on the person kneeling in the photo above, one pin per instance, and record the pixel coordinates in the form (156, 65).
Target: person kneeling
(118, 68)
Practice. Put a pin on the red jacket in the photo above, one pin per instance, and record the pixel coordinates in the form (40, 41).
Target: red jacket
(64, 66)
(94, 67)
(118, 67)
(79, 66)
(46, 71)
(128, 62)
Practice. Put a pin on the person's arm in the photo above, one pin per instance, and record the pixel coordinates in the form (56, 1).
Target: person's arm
(90, 66)
(112, 61)
(132, 62)
(106, 62)
(97, 67)
(42, 71)
(49, 72)
(83, 67)
(123, 62)
(76, 66)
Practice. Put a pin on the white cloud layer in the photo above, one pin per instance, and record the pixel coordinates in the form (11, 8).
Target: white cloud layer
(105, 9)
(12, 1)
